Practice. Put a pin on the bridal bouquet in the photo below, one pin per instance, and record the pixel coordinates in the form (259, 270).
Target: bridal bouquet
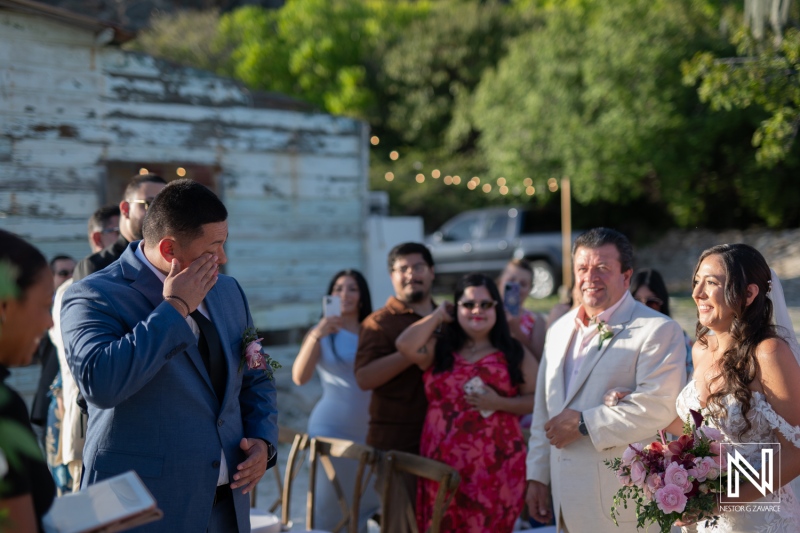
(669, 481)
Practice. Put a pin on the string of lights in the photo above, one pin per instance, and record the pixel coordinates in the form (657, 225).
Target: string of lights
(474, 183)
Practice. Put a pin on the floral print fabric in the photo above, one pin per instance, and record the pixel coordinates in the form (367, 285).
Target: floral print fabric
(489, 453)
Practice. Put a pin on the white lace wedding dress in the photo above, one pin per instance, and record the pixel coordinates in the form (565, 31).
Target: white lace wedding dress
(765, 424)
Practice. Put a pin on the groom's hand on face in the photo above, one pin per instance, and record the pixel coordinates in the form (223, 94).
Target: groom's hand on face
(192, 283)
(562, 429)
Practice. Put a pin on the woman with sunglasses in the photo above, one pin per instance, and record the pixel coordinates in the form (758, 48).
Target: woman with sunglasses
(28, 488)
(648, 288)
(478, 380)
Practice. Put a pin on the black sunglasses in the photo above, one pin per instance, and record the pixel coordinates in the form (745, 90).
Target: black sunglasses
(651, 302)
(485, 305)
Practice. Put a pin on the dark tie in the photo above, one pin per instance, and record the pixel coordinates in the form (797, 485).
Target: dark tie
(211, 349)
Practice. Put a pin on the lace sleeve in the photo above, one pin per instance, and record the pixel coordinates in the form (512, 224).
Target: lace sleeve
(790, 432)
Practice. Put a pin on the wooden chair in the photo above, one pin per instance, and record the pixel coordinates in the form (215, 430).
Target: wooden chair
(421, 467)
(294, 461)
(321, 450)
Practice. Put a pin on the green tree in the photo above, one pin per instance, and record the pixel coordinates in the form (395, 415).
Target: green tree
(317, 50)
(188, 37)
(597, 95)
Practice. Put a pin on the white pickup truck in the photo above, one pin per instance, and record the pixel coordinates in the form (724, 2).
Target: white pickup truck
(484, 240)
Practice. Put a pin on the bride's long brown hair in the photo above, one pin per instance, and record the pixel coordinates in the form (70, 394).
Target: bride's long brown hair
(752, 324)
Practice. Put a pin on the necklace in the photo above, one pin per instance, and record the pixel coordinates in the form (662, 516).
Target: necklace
(474, 349)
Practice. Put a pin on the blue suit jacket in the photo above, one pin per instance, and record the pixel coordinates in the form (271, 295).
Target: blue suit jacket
(152, 407)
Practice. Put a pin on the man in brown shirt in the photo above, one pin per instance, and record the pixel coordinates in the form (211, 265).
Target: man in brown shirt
(398, 406)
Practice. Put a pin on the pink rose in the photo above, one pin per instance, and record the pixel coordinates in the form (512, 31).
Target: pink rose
(671, 499)
(711, 433)
(255, 361)
(678, 476)
(624, 477)
(654, 482)
(631, 453)
(702, 468)
(721, 459)
(638, 473)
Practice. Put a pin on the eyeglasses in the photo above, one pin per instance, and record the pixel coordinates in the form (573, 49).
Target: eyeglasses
(64, 273)
(145, 202)
(419, 268)
(651, 302)
(112, 230)
(484, 305)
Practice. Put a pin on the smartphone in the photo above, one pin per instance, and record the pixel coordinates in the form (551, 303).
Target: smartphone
(512, 299)
(331, 305)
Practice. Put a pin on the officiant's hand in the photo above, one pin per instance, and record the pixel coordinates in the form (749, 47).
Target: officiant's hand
(537, 497)
(250, 471)
(562, 429)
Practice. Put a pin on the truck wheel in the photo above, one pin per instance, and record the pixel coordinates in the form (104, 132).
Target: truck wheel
(544, 280)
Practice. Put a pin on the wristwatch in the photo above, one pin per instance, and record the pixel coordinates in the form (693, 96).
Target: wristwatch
(582, 427)
(272, 454)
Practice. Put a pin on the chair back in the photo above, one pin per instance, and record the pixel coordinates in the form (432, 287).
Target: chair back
(322, 449)
(294, 462)
(448, 478)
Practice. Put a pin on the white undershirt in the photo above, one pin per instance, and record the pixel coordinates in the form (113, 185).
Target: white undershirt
(224, 477)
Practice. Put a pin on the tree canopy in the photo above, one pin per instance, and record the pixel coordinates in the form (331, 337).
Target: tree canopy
(520, 93)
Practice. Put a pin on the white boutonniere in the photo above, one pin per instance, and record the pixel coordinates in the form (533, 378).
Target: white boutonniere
(253, 357)
(604, 333)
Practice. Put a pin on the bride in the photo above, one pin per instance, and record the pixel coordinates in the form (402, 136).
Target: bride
(746, 378)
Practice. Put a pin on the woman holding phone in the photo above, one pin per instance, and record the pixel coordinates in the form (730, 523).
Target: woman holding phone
(478, 380)
(529, 328)
(343, 411)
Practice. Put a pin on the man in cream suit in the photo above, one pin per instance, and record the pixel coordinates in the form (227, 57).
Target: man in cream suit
(610, 341)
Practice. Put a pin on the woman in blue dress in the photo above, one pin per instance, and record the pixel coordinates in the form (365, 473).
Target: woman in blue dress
(343, 410)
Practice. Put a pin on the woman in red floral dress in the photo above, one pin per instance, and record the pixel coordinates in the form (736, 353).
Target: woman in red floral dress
(473, 424)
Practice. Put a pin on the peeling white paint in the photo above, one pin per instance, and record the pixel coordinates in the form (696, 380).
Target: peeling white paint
(294, 181)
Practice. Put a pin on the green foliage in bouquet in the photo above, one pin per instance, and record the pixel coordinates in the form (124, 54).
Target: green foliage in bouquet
(674, 480)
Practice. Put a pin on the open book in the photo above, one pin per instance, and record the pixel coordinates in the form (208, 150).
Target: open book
(115, 504)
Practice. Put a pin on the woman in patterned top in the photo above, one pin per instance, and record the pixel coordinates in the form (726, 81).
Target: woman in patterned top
(478, 381)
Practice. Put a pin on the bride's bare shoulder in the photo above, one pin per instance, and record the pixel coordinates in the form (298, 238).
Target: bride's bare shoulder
(774, 352)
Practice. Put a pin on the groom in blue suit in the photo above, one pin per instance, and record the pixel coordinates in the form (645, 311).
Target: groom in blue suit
(154, 342)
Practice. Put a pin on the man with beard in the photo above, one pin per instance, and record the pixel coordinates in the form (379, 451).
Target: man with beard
(139, 194)
(398, 405)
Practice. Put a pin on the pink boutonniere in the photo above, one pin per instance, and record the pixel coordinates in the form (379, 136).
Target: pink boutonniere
(253, 357)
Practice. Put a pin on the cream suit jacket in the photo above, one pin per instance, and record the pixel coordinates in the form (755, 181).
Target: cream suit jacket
(646, 354)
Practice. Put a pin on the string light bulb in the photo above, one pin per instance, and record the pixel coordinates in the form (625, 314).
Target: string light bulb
(394, 155)
(389, 176)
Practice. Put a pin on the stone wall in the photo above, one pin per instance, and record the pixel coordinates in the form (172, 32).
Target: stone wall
(676, 253)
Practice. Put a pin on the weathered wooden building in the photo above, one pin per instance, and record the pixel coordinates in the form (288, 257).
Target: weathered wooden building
(79, 116)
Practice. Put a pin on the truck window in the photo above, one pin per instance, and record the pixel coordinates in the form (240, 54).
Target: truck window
(465, 229)
(496, 226)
